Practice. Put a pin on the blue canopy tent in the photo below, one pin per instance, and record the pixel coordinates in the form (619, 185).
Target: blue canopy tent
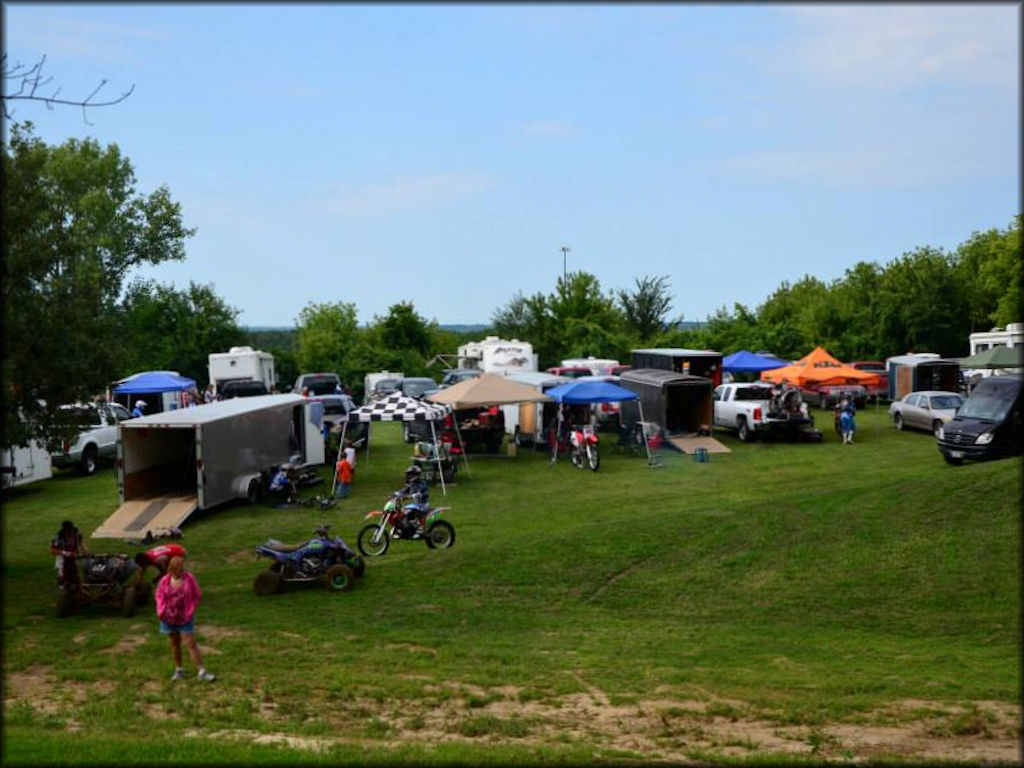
(747, 362)
(152, 383)
(586, 392)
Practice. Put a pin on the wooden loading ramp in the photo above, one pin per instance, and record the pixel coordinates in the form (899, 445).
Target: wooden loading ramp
(155, 514)
(690, 444)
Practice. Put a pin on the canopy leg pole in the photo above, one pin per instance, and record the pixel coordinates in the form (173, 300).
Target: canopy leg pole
(643, 432)
(437, 458)
(341, 447)
(554, 441)
(465, 459)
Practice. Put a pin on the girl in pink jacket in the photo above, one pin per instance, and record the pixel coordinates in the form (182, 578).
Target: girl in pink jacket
(177, 597)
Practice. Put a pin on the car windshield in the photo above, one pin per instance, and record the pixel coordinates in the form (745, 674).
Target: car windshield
(752, 393)
(992, 405)
(385, 386)
(320, 385)
(946, 402)
(84, 416)
(415, 387)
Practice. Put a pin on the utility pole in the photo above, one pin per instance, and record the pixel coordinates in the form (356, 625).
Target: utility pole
(565, 249)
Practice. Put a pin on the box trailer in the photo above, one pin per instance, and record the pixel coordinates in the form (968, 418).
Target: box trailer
(241, 363)
(171, 464)
(916, 373)
(679, 403)
(529, 422)
(23, 464)
(695, 362)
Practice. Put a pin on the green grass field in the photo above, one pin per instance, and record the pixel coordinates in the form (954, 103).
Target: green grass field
(782, 602)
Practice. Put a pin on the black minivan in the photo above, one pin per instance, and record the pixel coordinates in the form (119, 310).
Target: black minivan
(988, 424)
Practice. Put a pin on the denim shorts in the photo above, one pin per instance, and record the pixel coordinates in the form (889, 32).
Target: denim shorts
(188, 628)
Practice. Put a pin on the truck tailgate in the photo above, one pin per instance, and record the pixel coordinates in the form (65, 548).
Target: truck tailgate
(135, 518)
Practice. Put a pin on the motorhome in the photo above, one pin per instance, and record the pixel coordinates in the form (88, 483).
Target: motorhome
(242, 364)
(171, 464)
(494, 355)
(1011, 336)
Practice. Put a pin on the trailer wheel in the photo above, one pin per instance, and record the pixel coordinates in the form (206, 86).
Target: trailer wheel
(253, 492)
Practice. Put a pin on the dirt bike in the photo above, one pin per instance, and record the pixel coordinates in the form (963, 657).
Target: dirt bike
(583, 448)
(322, 557)
(103, 579)
(392, 523)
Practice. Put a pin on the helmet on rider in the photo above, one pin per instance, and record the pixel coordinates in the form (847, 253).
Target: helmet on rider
(140, 404)
(411, 473)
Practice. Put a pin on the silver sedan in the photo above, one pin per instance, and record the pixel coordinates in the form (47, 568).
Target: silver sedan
(925, 410)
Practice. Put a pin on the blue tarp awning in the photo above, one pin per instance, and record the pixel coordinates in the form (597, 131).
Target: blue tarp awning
(153, 381)
(747, 362)
(581, 392)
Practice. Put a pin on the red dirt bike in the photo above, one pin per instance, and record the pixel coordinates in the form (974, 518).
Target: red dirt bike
(391, 523)
(583, 448)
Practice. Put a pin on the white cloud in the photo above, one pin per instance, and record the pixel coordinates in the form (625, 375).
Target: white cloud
(403, 194)
(892, 46)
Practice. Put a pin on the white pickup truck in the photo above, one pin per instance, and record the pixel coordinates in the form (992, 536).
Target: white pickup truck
(756, 407)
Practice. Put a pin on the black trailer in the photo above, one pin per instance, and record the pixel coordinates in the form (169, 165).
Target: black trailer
(679, 403)
(696, 362)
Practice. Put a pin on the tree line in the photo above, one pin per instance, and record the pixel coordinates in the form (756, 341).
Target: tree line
(77, 316)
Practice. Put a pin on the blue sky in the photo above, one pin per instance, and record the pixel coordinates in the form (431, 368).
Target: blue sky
(442, 154)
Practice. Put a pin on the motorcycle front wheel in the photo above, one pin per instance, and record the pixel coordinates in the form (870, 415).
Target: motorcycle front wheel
(369, 544)
(593, 458)
(339, 578)
(440, 535)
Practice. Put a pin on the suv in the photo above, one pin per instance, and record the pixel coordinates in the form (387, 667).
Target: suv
(97, 440)
(310, 384)
(455, 375)
(241, 388)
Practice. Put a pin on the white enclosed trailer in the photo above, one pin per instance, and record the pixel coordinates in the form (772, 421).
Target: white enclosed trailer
(525, 422)
(23, 464)
(241, 363)
(170, 464)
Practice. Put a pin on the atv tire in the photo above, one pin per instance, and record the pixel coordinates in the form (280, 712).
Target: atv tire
(267, 582)
(339, 578)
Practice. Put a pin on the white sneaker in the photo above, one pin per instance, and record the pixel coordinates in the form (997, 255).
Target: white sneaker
(207, 676)
(179, 674)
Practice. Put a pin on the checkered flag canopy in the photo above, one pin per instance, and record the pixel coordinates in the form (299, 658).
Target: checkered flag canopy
(398, 407)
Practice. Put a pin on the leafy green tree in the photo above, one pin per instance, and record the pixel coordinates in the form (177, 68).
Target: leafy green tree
(989, 267)
(74, 228)
(167, 329)
(403, 329)
(646, 308)
(325, 337)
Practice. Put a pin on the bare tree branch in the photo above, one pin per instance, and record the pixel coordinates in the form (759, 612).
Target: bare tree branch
(30, 79)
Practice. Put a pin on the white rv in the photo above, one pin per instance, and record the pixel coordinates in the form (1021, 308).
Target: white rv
(1012, 336)
(494, 355)
(242, 364)
(23, 464)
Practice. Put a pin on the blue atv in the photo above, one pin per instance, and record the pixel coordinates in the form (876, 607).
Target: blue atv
(323, 558)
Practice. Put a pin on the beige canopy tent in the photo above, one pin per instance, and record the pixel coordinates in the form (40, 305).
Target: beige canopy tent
(483, 392)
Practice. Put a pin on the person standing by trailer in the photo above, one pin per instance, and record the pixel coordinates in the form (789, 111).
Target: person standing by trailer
(67, 546)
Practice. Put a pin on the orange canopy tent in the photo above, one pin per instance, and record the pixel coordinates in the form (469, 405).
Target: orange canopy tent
(820, 368)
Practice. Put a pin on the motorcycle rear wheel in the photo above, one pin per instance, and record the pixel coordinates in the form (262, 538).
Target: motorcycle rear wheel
(339, 578)
(267, 582)
(366, 542)
(440, 535)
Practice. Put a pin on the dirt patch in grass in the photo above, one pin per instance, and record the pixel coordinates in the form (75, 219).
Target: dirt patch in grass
(661, 728)
(136, 636)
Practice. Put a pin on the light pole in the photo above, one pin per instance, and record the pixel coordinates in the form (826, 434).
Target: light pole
(565, 249)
